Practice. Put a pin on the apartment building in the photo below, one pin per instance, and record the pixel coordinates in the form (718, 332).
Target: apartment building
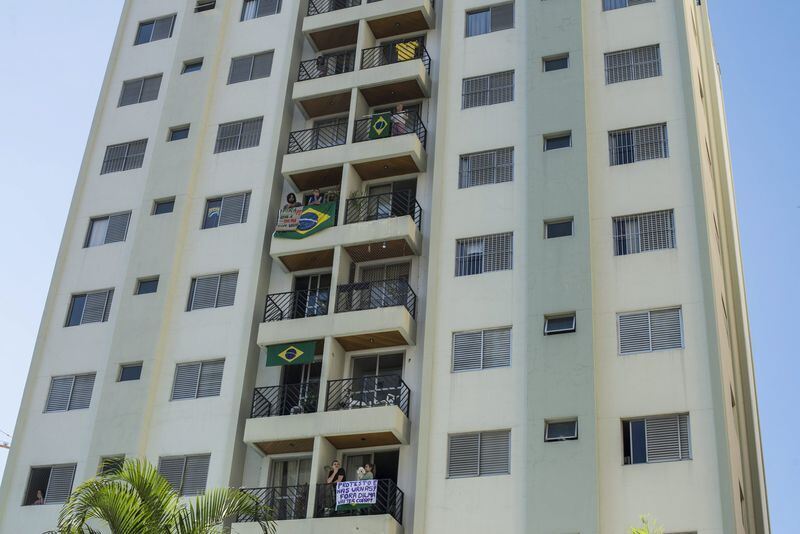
(488, 247)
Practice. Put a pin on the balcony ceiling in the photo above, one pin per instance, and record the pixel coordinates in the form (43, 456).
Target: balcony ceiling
(358, 441)
(384, 168)
(397, 248)
(287, 446)
(369, 341)
(322, 178)
(399, 24)
(336, 37)
(308, 260)
(393, 92)
(328, 105)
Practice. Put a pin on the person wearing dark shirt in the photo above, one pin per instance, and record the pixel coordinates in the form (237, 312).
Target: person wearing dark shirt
(337, 473)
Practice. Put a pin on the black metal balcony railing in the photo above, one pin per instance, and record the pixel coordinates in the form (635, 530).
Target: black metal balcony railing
(389, 501)
(317, 7)
(296, 305)
(383, 206)
(327, 65)
(373, 295)
(368, 392)
(387, 124)
(290, 399)
(396, 52)
(319, 137)
(290, 502)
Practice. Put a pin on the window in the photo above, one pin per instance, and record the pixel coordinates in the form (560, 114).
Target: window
(488, 89)
(650, 331)
(238, 135)
(252, 9)
(155, 30)
(561, 430)
(476, 255)
(107, 229)
(197, 380)
(656, 439)
(54, 481)
(186, 474)
(73, 392)
(559, 324)
(129, 372)
(638, 144)
(205, 5)
(110, 465)
(644, 232)
(479, 454)
(616, 4)
(145, 286)
(193, 65)
(177, 133)
(481, 349)
(230, 209)
(559, 228)
(124, 157)
(250, 67)
(558, 62)
(556, 141)
(490, 167)
(213, 291)
(490, 19)
(633, 64)
(140, 90)
(91, 307)
(164, 205)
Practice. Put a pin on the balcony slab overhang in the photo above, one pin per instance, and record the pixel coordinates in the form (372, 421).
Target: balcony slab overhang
(386, 18)
(378, 158)
(356, 330)
(383, 85)
(373, 524)
(345, 429)
(382, 239)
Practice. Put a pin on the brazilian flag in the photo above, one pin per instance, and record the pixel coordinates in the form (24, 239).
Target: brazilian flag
(312, 220)
(291, 353)
(380, 125)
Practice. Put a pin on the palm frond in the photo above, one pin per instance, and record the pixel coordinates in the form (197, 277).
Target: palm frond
(210, 512)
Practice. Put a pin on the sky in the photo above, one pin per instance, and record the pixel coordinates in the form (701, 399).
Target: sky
(53, 61)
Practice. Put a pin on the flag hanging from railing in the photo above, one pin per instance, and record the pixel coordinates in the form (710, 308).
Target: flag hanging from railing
(291, 354)
(297, 223)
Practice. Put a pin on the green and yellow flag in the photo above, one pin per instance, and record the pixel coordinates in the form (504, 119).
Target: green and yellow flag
(380, 125)
(291, 354)
(297, 223)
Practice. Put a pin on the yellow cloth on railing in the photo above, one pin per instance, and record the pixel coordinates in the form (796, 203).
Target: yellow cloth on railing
(406, 51)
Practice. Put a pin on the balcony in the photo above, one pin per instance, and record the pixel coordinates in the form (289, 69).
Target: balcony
(389, 501)
(327, 65)
(368, 392)
(383, 206)
(387, 125)
(334, 23)
(369, 315)
(290, 399)
(286, 503)
(317, 138)
(296, 305)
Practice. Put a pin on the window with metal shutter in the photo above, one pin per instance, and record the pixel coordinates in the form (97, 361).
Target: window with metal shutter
(496, 348)
(117, 229)
(227, 289)
(475, 92)
(476, 255)
(94, 310)
(195, 475)
(81, 396)
(638, 144)
(59, 393)
(262, 65)
(467, 351)
(150, 88)
(131, 90)
(204, 292)
(650, 331)
(495, 453)
(503, 17)
(501, 87)
(633, 64)
(172, 469)
(463, 456)
(238, 135)
(483, 168)
(187, 377)
(234, 209)
(135, 155)
(163, 28)
(210, 381)
(251, 133)
(667, 438)
(59, 486)
(124, 156)
(240, 69)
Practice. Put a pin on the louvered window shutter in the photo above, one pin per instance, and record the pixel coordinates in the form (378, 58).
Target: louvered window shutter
(114, 160)
(81, 392)
(475, 92)
(163, 28)
(495, 453)
(210, 381)
(467, 351)
(59, 393)
(683, 428)
(262, 66)
(501, 87)
(94, 311)
(227, 289)
(109, 299)
(268, 7)
(666, 331)
(117, 228)
(251, 133)
(463, 456)
(503, 17)
(150, 88)
(135, 154)
(59, 486)
(205, 292)
(496, 348)
(172, 470)
(667, 438)
(195, 475)
(131, 90)
(233, 209)
(240, 69)
(187, 376)
(228, 137)
(634, 333)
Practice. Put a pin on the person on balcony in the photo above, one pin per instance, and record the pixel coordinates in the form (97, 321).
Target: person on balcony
(368, 472)
(336, 474)
(399, 121)
(291, 201)
(315, 199)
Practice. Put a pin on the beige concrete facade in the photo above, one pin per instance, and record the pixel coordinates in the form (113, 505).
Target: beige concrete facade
(361, 322)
